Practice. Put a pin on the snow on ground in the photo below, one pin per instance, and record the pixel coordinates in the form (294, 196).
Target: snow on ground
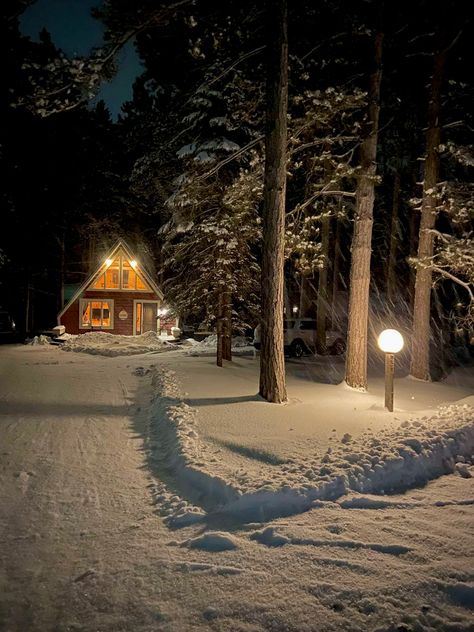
(102, 529)
(208, 346)
(112, 345)
(260, 460)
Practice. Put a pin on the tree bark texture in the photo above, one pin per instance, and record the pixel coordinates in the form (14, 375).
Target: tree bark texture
(227, 327)
(420, 347)
(335, 274)
(219, 328)
(356, 359)
(322, 303)
(394, 237)
(272, 361)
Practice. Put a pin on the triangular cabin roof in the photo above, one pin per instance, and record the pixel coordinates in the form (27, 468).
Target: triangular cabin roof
(141, 271)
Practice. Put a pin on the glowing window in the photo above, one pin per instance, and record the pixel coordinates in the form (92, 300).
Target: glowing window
(129, 276)
(96, 314)
(140, 284)
(112, 275)
(138, 321)
(120, 274)
(100, 283)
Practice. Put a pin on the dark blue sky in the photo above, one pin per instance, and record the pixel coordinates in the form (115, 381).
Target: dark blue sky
(75, 31)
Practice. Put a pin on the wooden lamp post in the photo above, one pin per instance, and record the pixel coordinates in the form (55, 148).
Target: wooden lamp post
(390, 342)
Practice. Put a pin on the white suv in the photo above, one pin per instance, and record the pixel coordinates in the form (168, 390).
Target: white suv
(300, 338)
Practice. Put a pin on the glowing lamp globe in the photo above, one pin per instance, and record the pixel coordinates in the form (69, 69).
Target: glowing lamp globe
(390, 341)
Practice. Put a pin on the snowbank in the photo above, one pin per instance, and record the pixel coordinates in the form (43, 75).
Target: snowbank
(39, 340)
(208, 346)
(112, 345)
(396, 458)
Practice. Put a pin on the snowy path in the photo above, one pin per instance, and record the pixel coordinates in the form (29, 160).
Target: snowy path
(77, 527)
(82, 547)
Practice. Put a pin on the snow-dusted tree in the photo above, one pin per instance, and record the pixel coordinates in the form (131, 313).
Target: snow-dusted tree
(452, 259)
(324, 132)
(420, 356)
(216, 169)
(62, 83)
(210, 266)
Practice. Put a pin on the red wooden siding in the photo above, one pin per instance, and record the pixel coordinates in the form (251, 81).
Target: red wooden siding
(122, 300)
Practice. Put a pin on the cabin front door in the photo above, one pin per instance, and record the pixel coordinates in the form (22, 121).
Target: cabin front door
(146, 313)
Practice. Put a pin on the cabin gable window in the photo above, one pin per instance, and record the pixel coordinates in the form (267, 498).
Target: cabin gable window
(120, 274)
(96, 313)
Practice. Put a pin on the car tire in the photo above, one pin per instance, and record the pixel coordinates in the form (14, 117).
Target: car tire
(297, 348)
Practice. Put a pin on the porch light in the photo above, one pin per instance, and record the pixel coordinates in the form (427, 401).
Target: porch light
(390, 342)
(295, 310)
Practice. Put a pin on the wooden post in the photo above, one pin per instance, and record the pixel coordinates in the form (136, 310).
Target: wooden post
(389, 370)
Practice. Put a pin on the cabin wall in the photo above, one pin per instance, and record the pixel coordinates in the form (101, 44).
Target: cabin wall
(122, 301)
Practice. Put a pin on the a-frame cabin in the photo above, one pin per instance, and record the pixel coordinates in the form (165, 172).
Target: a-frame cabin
(120, 297)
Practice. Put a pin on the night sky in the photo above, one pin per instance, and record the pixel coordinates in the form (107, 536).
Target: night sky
(75, 31)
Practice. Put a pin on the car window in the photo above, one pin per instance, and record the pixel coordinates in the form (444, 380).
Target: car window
(308, 324)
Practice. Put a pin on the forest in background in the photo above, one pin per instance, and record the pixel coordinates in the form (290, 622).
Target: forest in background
(180, 174)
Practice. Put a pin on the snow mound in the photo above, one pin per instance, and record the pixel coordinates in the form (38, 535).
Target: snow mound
(214, 541)
(208, 346)
(112, 345)
(189, 342)
(40, 340)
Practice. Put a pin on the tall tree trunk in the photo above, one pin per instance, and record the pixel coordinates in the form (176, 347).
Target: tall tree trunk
(272, 360)
(219, 328)
(420, 349)
(322, 303)
(335, 274)
(227, 327)
(356, 359)
(394, 238)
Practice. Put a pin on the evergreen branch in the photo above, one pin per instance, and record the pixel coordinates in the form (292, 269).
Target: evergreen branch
(454, 278)
(320, 141)
(232, 66)
(238, 153)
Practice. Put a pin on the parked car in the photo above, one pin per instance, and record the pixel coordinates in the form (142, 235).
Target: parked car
(300, 338)
(8, 332)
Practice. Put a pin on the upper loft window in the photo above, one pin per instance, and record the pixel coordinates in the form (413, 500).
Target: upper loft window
(120, 274)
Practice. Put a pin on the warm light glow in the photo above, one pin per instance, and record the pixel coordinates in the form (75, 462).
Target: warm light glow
(108, 262)
(295, 310)
(133, 263)
(390, 341)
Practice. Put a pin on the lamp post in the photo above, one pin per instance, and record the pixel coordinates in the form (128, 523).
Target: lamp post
(390, 342)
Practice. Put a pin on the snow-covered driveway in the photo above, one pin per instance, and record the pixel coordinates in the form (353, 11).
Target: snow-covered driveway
(77, 526)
